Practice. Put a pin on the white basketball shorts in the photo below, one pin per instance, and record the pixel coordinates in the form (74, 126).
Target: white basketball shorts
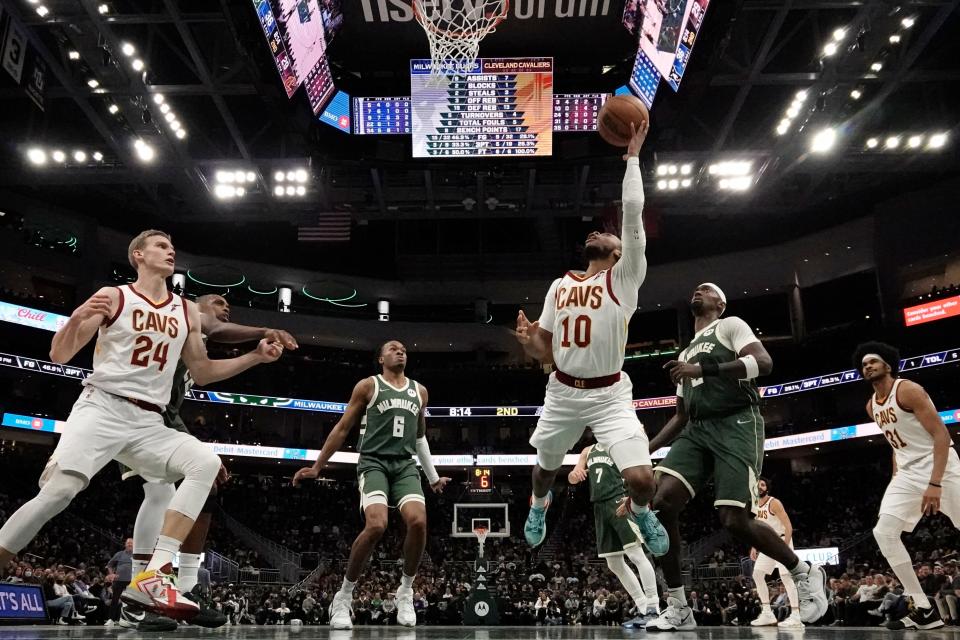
(904, 497)
(608, 411)
(765, 564)
(104, 427)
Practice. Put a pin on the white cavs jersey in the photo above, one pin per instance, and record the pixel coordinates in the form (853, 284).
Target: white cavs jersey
(769, 519)
(912, 445)
(589, 323)
(138, 348)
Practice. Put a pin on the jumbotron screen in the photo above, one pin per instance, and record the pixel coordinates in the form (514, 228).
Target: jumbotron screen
(499, 107)
(577, 111)
(667, 31)
(300, 24)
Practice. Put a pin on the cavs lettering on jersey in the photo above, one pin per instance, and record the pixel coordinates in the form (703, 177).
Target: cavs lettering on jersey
(604, 476)
(912, 445)
(589, 325)
(769, 519)
(389, 427)
(138, 348)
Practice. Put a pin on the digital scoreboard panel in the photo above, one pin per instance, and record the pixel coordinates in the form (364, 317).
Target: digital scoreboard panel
(667, 30)
(577, 111)
(481, 480)
(644, 79)
(498, 107)
(281, 57)
(381, 116)
(303, 33)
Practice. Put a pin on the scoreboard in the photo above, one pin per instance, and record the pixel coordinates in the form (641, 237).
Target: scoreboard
(498, 107)
(481, 480)
(577, 111)
(381, 115)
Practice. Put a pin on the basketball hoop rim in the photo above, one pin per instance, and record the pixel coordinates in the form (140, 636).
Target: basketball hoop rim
(462, 34)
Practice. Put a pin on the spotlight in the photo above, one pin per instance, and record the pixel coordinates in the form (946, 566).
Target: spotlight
(80, 155)
(291, 176)
(291, 190)
(92, 83)
(908, 22)
(164, 108)
(278, 191)
(895, 38)
(740, 183)
(239, 176)
(37, 156)
(673, 185)
(672, 169)
(127, 49)
(876, 67)
(224, 176)
(144, 151)
(103, 9)
(662, 170)
(278, 176)
(801, 96)
(181, 134)
(731, 168)
(113, 108)
(872, 143)
(175, 125)
(73, 55)
(793, 112)
(686, 182)
(937, 141)
(856, 94)
(838, 34)
(824, 140)
(224, 191)
(42, 11)
(661, 184)
(301, 175)
(830, 49)
(158, 98)
(892, 142)
(240, 192)
(914, 142)
(783, 127)
(98, 156)
(251, 176)
(301, 190)
(686, 169)
(137, 64)
(58, 156)
(169, 117)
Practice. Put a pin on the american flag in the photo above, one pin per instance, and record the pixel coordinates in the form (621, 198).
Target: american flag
(333, 226)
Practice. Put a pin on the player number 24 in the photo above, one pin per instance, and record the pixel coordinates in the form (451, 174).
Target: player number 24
(141, 352)
(581, 331)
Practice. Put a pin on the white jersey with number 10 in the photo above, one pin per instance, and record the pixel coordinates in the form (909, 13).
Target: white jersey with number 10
(138, 348)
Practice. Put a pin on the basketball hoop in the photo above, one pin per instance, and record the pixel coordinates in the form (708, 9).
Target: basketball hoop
(481, 533)
(455, 28)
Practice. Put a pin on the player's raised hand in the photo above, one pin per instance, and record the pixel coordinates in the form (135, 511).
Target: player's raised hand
(269, 351)
(578, 475)
(680, 371)
(281, 336)
(97, 304)
(931, 500)
(525, 328)
(637, 137)
(306, 473)
(438, 486)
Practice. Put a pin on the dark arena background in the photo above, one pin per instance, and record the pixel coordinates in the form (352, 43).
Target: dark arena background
(801, 155)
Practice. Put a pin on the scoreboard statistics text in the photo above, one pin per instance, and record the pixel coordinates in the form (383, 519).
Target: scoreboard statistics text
(384, 116)
(577, 111)
(499, 107)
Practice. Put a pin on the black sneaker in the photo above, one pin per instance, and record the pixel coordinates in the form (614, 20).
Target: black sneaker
(928, 618)
(209, 618)
(133, 617)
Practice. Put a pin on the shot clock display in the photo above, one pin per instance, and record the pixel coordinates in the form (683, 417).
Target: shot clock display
(481, 480)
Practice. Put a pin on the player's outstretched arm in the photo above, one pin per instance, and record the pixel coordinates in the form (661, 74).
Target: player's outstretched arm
(204, 370)
(672, 429)
(631, 270)
(231, 333)
(912, 397)
(362, 392)
(83, 324)
(778, 511)
(436, 482)
(579, 472)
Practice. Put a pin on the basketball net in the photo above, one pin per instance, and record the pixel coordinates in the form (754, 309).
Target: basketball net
(481, 533)
(454, 29)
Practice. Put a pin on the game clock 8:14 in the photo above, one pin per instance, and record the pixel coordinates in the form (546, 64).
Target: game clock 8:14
(481, 480)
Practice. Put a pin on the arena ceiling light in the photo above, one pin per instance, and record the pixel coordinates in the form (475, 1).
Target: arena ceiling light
(908, 22)
(824, 140)
(73, 54)
(42, 11)
(229, 191)
(872, 143)
(37, 156)
(290, 183)
(127, 49)
(58, 155)
(792, 112)
(937, 141)
(731, 168)
(737, 183)
(144, 151)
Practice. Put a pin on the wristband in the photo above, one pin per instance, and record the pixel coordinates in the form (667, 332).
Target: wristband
(753, 369)
(710, 368)
(934, 484)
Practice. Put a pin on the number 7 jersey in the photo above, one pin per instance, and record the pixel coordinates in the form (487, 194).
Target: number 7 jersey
(589, 318)
(138, 348)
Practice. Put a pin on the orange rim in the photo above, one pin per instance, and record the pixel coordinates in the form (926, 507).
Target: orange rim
(460, 35)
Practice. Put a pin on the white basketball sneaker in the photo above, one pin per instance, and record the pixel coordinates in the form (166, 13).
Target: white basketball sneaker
(793, 621)
(406, 615)
(676, 617)
(341, 611)
(766, 618)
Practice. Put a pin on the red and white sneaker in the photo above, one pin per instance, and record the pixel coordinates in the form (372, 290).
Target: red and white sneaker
(157, 591)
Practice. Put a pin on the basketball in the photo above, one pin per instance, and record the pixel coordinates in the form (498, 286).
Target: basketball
(615, 117)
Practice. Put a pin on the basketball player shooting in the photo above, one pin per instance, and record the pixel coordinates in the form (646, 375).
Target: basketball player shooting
(770, 511)
(143, 330)
(216, 326)
(717, 433)
(583, 330)
(390, 409)
(926, 469)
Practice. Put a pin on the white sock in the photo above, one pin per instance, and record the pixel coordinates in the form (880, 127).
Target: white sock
(677, 592)
(187, 574)
(539, 502)
(637, 508)
(164, 552)
(648, 576)
(406, 582)
(347, 587)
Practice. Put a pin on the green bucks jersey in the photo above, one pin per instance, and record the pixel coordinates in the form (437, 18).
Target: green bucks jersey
(604, 477)
(711, 397)
(389, 427)
(182, 382)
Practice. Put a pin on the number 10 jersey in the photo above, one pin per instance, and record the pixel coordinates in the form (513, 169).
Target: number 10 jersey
(138, 348)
